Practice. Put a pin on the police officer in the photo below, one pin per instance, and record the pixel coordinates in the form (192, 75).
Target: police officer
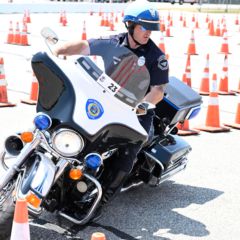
(140, 20)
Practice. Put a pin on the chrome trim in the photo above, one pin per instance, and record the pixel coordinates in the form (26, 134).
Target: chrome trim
(155, 159)
(2, 158)
(20, 195)
(44, 144)
(44, 176)
(92, 209)
(131, 186)
(59, 131)
(174, 171)
(60, 166)
(20, 159)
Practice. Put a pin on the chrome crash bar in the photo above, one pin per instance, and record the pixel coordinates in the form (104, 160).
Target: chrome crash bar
(92, 209)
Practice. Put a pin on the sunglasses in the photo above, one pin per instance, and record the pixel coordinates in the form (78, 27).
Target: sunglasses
(143, 29)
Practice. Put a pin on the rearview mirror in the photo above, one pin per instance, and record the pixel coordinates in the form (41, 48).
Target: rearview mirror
(49, 35)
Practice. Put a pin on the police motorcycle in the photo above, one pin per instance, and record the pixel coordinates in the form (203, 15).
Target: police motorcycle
(84, 113)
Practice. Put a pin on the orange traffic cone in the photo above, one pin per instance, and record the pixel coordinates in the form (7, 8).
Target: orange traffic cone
(23, 36)
(224, 47)
(102, 22)
(111, 23)
(98, 236)
(10, 34)
(181, 17)
(184, 22)
(188, 71)
(20, 227)
(34, 92)
(191, 46)
(161, 45)
(196, 23)
(184, 78)
(193, 18)
(169, 16)
(84, 33)
(16, 36)
(184, 129)
(122, 14)
(204, 87)
(106, 23)
(168, 33)
(25, 17)
(162, 25)
(28, 18)
(3, 87)
(236, 124)
(64, 19)
(212, 123)
(218, 30)
(61, 17)
(236, 20)
(116, 18)
(207, 19)
(224, 29)
(223, 85)
(211, 29)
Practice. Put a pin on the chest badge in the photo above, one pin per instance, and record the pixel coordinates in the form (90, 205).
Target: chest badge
(141, 61)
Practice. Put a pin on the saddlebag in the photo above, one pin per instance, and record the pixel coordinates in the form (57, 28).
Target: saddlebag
(180, 102)
(170, 155)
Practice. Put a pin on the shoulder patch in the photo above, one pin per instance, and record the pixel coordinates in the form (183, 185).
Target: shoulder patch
(162, 62)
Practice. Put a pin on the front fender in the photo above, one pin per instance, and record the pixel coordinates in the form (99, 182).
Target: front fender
(39, 177)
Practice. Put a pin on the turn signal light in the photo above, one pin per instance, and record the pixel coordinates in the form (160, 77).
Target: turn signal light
(27, 137)
(33, 200)
(75, 173)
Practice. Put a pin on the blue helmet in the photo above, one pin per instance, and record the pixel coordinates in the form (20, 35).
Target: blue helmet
(143, 13)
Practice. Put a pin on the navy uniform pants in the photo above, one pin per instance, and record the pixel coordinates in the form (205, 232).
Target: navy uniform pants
(128, 154)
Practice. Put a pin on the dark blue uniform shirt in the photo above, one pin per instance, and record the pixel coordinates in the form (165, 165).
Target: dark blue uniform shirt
(155, 59)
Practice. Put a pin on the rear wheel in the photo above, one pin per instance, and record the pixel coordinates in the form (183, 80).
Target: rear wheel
(180, 2)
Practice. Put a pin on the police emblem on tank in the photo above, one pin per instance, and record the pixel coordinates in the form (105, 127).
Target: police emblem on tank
(94, 109)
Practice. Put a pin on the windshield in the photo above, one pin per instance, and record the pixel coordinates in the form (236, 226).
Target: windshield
(125, 75)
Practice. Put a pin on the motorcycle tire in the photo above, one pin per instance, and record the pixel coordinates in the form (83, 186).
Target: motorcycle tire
(6, 219)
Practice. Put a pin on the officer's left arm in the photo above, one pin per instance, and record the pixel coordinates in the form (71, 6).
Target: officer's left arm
(159, 80)
(155, 95)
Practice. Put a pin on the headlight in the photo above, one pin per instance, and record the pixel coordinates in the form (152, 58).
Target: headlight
(67, 142)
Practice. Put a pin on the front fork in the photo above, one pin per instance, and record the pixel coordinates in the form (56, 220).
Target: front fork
(20, 159)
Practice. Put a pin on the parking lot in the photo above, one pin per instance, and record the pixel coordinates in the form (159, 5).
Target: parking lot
(200, 203)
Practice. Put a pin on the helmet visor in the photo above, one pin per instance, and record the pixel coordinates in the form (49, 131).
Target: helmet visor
(150, 25)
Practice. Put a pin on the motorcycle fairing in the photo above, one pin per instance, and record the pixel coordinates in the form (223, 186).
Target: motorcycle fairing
(68, 104)
(115, 111)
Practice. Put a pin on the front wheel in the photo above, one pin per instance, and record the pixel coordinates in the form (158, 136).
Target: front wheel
(6, 212)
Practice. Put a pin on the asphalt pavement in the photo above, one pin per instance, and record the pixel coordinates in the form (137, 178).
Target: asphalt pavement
(200, 203)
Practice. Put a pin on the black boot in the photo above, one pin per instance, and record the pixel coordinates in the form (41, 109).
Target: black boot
(110, 191)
